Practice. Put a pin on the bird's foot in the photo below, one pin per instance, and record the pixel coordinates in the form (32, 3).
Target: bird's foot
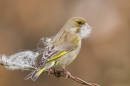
(49, 71)
(67, 74)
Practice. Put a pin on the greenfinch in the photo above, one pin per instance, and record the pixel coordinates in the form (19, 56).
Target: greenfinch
(63, 48)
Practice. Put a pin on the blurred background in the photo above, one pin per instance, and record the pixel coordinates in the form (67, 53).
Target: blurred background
(104, 57)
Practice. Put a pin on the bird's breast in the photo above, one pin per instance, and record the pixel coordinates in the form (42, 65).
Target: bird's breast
(68, 58)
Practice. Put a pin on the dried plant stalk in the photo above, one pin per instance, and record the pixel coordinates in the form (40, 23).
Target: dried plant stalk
(60, 73)
(27, 60)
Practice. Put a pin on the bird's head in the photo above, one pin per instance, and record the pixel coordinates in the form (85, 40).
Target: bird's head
(79, 26)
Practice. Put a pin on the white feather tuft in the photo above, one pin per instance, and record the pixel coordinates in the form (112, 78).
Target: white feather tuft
(85, 31)
(23, 60)
(43, 43)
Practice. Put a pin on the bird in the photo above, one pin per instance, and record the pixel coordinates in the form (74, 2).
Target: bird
(63, 48)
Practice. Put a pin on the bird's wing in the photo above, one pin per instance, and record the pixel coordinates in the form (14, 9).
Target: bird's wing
(61, 45)
(52, 53)
(61, 51)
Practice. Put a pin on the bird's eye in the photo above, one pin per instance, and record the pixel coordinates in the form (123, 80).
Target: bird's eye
(79, 22)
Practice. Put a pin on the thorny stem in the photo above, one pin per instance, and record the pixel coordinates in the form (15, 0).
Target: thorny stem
(60, 73)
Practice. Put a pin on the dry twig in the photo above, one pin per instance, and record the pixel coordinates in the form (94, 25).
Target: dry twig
(60, 73)
(27, 60)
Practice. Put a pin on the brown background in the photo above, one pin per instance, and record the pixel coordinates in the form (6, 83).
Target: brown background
(105, 55)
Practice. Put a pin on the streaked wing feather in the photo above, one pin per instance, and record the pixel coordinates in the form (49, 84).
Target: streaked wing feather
(47, 54)
(51, 53)
(63, 43)
(63, 49)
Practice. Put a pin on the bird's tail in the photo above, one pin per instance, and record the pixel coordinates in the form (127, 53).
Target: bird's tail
(35, 74)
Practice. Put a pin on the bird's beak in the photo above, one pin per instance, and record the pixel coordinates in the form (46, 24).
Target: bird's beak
(88, 27)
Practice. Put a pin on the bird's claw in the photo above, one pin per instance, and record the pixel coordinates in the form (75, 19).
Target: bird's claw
(49, 71)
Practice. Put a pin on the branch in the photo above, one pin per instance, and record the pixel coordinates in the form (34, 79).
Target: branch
(60, 73)
(27, 60)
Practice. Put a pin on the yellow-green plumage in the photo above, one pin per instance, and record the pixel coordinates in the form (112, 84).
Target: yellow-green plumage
(41, 70)
(63, 48)
(57, 56)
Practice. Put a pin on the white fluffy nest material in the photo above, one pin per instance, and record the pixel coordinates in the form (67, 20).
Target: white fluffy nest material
(24, 60)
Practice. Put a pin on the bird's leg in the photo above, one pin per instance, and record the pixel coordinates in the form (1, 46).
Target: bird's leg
(67, 73)
(49, 71)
